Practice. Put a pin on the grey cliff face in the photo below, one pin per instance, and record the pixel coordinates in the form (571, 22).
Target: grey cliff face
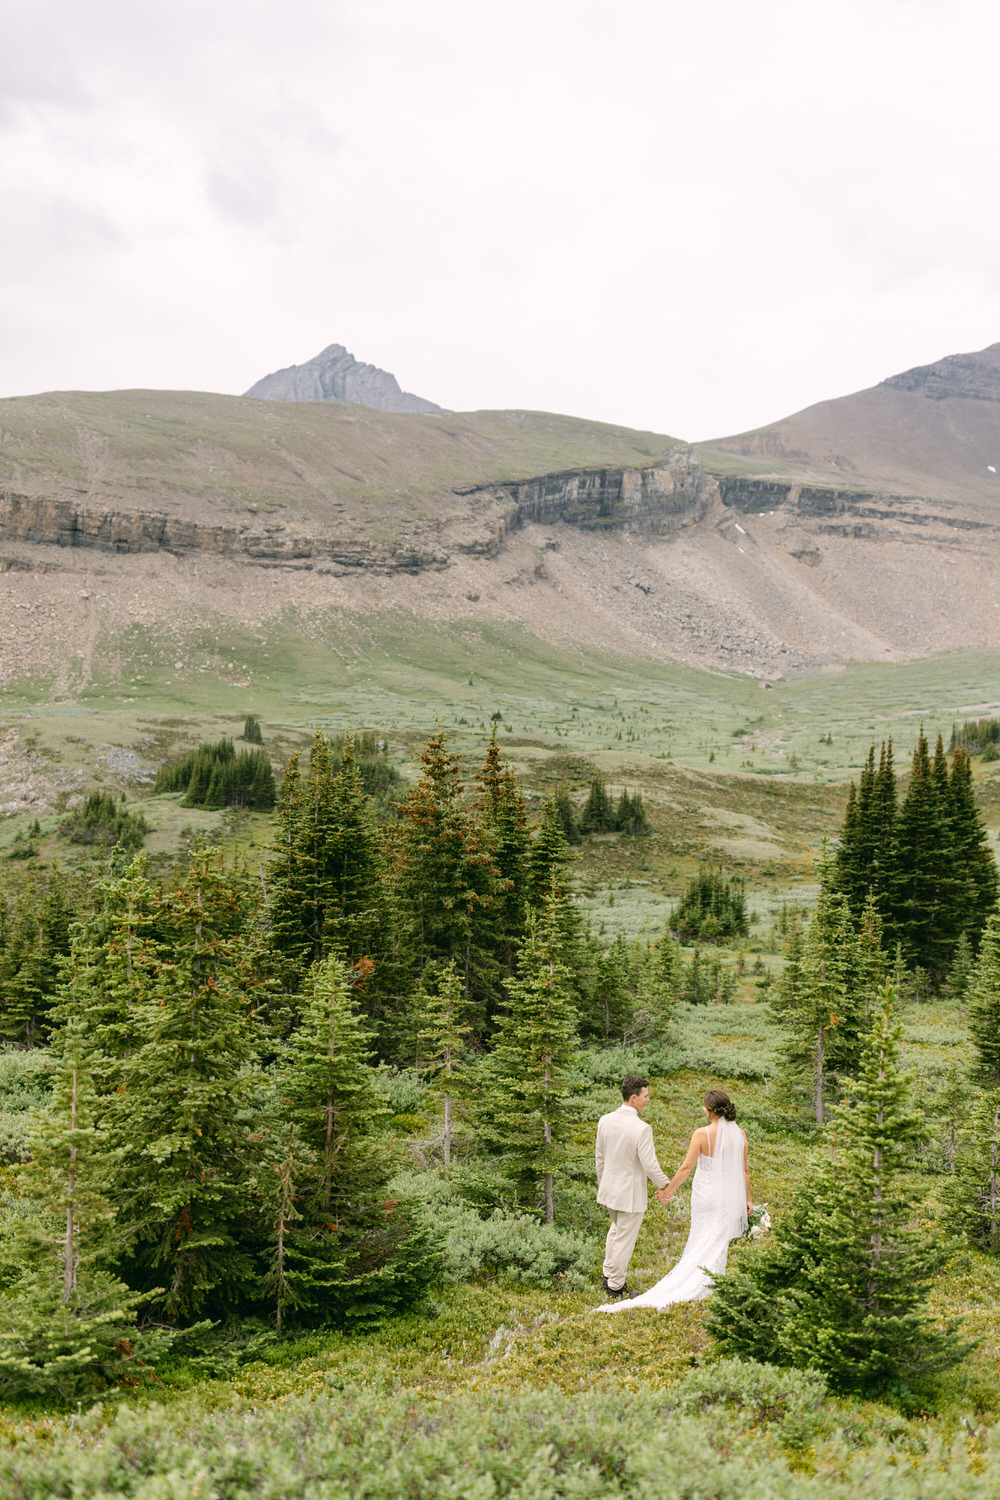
(975, 377)
(335, 375)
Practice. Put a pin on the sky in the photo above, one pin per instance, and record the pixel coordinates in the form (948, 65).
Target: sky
(692, 216)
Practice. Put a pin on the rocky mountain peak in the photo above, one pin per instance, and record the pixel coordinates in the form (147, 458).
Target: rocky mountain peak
(335, 375)
(975, 377)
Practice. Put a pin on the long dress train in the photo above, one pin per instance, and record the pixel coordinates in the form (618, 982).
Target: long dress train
(718, 1215)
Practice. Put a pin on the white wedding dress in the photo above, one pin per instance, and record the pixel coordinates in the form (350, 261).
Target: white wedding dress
(718, 1215)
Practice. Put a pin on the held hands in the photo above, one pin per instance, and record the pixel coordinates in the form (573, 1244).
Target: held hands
(663, 1195)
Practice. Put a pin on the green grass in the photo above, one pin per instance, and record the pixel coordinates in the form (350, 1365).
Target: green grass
(486, 1354)
(278, 460)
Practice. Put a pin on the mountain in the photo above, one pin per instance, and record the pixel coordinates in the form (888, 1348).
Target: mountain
(335, 375)
(863, 529)
(931, 432)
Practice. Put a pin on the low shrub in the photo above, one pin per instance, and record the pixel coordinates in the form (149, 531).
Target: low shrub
(515, 1247)
(347, 1442)
(25, 1082)
(401, 1090)
(763, 1395)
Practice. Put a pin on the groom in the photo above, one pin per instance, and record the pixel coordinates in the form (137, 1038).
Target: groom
(625, 1157)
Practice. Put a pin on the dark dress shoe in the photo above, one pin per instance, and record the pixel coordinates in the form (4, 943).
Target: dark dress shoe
(614, 1292)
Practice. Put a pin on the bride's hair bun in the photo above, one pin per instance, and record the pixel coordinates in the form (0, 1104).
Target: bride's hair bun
(719, 1102)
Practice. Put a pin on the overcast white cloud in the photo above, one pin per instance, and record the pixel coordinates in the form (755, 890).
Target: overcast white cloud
(694, 218)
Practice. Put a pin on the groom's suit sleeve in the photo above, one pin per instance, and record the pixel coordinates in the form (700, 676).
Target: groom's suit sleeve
(647, 1159)
(599, 1152)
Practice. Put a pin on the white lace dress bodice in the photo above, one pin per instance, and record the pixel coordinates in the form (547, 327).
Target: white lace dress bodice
(718, 1215)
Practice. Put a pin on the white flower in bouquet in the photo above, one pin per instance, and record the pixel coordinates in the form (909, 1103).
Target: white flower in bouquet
(758, 1223)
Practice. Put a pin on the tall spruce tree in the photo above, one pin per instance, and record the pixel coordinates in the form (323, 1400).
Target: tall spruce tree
(975, 1195)
(447, 881)
(926, 900)
(664, 980)
(598, 813)
(37, 940)
(351, 1256)
(983, 1001)
(176, 1120)
(325, 886)
(114, 956)
(549, 855)
(67, 1324)
(502, 813)
(842, 1286)
(327, 1092)
(973, 855)
(446, 1049)
(529, 1075)
(863, 862)
(820, 1001)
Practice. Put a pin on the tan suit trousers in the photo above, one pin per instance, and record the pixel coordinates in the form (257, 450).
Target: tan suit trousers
(619, 1245)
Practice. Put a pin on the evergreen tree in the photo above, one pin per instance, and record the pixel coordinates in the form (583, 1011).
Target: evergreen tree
(821, 1000)
(611, 1004)
(712, 908)
(630, 814)
(326, 887)
(983, 999)
(66, 1323)
(102, 820)
(884, 815)
(447, 880)
(252, 731)
(530, 1068)
(288, 1278)
(864, 859)
(951, 1108)
(842, 1286)
(352, 1256)
(787, 997)
(975, 1206)
(956, 986)
(873, 963)
(446, 1039)
(114, 956)
(176, 1119)
(220, 776)
(37, 939)
(926, 895)
(566, 814)
(503, 815)
(598, 813)
(665, 979)
(549, 855)
(971, 849)
(325, 1083)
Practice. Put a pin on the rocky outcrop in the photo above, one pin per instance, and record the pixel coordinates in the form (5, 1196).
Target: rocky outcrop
(655, 500)
(335, 375)
(974, 377)
(821, 504)
(25, 518)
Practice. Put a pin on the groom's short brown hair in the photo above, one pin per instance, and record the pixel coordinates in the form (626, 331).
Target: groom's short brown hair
(632, 1084)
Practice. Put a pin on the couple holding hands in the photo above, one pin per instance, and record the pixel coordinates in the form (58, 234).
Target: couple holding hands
(720, 1195)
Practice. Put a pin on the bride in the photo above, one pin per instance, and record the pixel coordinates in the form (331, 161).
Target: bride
(720, 1205)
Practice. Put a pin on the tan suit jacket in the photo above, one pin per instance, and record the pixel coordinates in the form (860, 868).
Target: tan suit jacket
(625, 1157)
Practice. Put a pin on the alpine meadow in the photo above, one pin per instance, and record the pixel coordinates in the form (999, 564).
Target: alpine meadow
(382, 786)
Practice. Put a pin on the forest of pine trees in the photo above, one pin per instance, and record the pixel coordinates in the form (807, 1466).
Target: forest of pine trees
(215, 1143)
(923, 859)
(219, 775)
(216, 1127)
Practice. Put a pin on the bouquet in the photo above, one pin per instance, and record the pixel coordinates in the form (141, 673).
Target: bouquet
(758, 1223)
